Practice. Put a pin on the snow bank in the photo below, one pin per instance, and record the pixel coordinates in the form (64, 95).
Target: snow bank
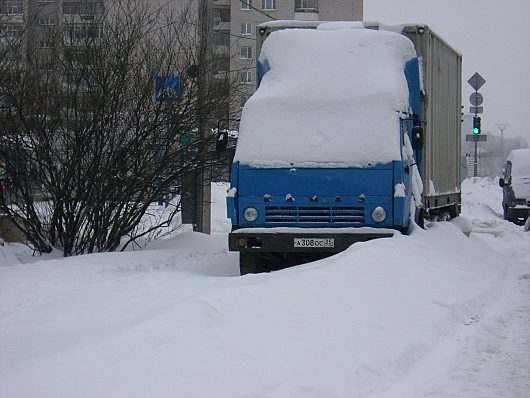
(220, 222)
(148, 324)
(430, 314)
(482, 205)
(7, 257)
(330, 99)
(481, 198)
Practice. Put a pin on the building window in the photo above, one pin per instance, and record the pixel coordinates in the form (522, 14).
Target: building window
(12, 55)
(216, 17)
(84, 81)
(246, 4)
(10, 31)
(300, 5)
(221, 39)
(83, 32)
(246, 52)
(44, 44)
(11, 8)
(221, 64)
(245, 77)
(246, 28)
(243, 100)
(47, 21)
(268, 4)
(82, 8)
(221, 15)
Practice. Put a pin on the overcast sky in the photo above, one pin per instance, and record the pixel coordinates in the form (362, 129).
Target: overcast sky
(494, 39)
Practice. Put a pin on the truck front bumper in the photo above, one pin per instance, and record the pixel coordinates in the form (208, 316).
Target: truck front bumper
(519, 212)
(285, 240)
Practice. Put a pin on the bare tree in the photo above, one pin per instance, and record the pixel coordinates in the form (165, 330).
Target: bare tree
(86, 145)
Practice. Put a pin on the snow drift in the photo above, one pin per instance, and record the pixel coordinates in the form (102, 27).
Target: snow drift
(431, 314)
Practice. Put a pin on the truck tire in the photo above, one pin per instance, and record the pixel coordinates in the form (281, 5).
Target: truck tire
(508, 214)
(420, 218)
(250, 263)
(453, 212)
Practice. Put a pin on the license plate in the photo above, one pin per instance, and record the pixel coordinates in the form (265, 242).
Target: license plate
(314, 242)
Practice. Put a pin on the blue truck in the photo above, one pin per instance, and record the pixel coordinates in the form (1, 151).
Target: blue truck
(353, 134)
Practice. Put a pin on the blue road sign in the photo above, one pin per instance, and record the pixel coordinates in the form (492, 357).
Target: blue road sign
(167, 88)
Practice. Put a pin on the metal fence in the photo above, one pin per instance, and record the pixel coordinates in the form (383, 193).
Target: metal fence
(487, 166)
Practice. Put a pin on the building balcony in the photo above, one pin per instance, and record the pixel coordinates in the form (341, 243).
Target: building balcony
(221, 18)
(80, 18)
(219, 25)
(220, 50)
(306, 16)
(306, 6)
(218, 3)
(11, 19)
(221, 75)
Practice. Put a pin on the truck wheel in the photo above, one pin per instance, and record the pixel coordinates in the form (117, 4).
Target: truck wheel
(507, 214)
(250, 263)
(453, 212)
(420, 218)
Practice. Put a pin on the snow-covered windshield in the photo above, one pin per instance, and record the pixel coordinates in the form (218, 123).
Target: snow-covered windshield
(520, 159)
(330, 99)
(520, 172)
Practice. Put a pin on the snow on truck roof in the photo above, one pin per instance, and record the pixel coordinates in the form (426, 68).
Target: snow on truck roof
(330, 25)
(330, 99)
(520, 159)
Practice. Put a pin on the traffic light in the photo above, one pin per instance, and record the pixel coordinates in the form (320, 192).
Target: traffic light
(476, 125)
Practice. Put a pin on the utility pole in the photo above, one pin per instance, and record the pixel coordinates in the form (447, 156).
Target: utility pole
(203, 183)
(502, 127)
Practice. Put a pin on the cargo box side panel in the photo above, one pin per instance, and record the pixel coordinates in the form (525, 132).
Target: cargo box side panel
(442, 67)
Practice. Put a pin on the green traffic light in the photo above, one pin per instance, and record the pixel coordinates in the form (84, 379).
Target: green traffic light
(476, 125)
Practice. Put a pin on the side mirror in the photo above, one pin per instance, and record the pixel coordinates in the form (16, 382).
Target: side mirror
(222, 134)
(222, 141)
(417, 138)
(501, 182)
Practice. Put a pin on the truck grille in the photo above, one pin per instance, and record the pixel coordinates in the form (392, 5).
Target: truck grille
(310, 214)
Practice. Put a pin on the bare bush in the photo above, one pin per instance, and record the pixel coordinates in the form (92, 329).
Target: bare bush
(86, 145)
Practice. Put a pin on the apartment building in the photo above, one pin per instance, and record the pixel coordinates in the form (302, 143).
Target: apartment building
(40, 15)
(75, 19)
(36, 21)
(234, 31)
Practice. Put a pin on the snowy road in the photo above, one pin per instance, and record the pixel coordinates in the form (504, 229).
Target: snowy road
(433, 314)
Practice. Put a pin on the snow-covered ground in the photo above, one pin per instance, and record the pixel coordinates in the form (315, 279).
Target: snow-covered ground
(433, 314)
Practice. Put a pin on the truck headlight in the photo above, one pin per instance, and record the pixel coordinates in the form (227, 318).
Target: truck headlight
(250, 214)
(379, 214)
